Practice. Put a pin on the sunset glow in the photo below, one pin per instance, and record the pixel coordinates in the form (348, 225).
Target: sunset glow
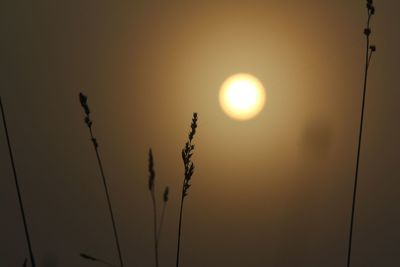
(242, 96)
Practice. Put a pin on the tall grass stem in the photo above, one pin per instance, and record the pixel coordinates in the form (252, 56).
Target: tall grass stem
(83, 100)
(179, 232)
(368, 54)
(187, 153)
(21, 206)
(155, 227)
(161, 222)
(152, 188)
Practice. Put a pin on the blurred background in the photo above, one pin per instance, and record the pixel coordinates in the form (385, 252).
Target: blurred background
(272, 191)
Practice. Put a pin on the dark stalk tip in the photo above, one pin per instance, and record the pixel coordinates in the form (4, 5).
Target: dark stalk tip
(83, 101)
(87, 257)
(166, 193)
(372, 48)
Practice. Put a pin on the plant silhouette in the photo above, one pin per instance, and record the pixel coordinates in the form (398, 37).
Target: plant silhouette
(152, 178)
(369, 51)
(187, 153)
(89, 123)
(165, 201)
(152, 189)
(91, 258)
(21, 205)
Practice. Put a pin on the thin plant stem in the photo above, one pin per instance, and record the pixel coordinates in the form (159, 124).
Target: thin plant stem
(18, 188)
(155, 227)
(165, 200)
(152, 178)
(108, 200)
(179, 231)
(91, 258)
(161, 222)
(368, 54)
(83, 100)
(187, 153)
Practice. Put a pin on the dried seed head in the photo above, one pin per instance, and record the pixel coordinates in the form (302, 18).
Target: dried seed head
(371, 7)
(83, 100)
(193, 126)
(88, 121)
(152, 174)
(166, 193)
(187, 153)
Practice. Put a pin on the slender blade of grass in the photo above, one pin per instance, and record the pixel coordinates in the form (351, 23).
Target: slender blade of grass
(21, 206)
(88, 121)
(368, 54)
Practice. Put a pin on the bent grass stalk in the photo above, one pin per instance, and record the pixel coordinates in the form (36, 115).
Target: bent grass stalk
(88, 121)
(187, 153)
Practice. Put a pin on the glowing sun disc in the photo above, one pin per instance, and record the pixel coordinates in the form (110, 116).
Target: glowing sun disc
(242, 96)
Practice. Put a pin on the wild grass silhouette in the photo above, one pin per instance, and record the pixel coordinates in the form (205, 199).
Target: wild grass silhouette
(89, 123)
(91, 258)
(21, 205)
(152, 189)
(369, 51)
(152, 178)
(187, 153)
(165, 201)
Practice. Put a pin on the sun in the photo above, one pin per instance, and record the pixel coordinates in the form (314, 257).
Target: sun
(242, 96)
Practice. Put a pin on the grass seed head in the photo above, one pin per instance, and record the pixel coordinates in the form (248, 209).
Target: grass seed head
(187, 153)
(152, 174)
(166, 194)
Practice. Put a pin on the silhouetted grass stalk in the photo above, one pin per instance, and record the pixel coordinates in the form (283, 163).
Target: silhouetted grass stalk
(165, 200)
(187, 153)
(152, 177)
(88, 121)
(21, 206)
(91, 258)
(370, 49)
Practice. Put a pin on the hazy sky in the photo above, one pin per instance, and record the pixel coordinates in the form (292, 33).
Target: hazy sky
(273, 191)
